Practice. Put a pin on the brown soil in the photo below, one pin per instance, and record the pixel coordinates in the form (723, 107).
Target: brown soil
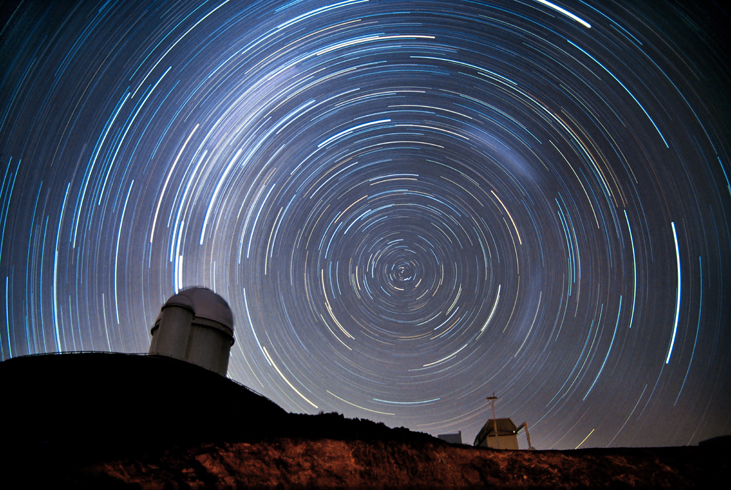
(116, 421)
(329, 463)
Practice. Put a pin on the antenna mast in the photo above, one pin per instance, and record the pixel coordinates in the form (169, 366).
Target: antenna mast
(492, 399)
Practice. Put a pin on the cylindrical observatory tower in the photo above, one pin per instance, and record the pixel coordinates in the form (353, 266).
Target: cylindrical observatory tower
(196, 325)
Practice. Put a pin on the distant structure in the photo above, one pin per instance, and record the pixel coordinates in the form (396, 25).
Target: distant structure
(501, 434)
(451, 438)
(196, 325)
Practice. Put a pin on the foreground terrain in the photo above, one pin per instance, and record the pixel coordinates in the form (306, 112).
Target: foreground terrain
(288, 463)
(117, 421)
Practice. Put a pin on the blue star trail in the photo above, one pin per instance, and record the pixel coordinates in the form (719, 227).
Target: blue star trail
(409, 205)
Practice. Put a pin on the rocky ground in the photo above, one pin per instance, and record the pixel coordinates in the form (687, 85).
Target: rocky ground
(338, 463)
(118, 421)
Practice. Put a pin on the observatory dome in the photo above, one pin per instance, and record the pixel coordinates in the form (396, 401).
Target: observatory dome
(196, 325)
(205, 303)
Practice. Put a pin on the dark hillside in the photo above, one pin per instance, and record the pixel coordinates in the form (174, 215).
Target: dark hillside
(114, 420)
(90, 398)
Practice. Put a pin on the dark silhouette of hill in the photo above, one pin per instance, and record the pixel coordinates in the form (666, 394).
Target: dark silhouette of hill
(97, 420)
(99, 403)
(91, 398)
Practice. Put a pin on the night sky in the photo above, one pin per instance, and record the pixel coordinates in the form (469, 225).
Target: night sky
(409, 205)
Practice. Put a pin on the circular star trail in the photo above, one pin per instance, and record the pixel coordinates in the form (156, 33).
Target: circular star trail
(409, 205)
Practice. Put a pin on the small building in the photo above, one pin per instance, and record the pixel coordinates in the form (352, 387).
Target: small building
(451, 438)
(500, 434)
(197, 326)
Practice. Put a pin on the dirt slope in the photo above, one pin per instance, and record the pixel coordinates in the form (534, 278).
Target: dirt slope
(120, 421)
(301, 463)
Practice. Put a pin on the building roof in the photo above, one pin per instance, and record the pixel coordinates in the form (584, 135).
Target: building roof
(205, 304)
(455, 438)
(505, 427)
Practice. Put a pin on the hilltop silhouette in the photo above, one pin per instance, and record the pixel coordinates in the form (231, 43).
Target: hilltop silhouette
(98, 420)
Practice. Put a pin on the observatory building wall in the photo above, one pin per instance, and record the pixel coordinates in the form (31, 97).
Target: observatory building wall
(196, 326)
(209, 346)
(503, 442)
(172, 340)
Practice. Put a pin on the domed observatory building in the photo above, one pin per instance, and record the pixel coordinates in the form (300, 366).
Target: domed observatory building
(197, 326)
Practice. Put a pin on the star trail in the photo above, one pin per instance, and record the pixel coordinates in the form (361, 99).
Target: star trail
(409, 205)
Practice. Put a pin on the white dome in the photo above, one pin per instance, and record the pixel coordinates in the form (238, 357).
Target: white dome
(205, 304)
(197, 326)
